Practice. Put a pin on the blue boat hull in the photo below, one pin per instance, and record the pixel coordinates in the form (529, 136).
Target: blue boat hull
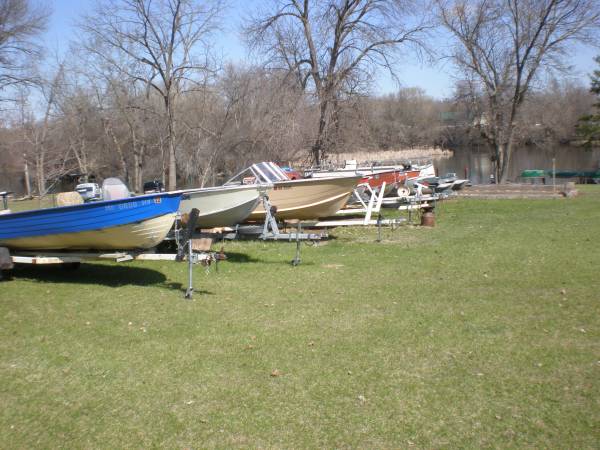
(130, 223)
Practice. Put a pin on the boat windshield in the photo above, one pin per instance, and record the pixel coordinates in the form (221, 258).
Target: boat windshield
(269, 172)
(263, 172)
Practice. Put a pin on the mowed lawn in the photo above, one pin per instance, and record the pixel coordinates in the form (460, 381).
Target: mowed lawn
(481, 332)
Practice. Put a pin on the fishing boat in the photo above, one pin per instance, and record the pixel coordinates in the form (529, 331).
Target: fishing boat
(442, 186)
(375, 176)
(298, 199)
(533, 175)
(222, 206)
(120, 224)
(456, 183)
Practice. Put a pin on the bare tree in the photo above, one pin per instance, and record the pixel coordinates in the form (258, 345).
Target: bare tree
(408, 118)
(20, 23)
(550, 116)
(505, 45)
(162, 44)
(134, 110)
(37, 133)
(131, 113)
(333, 47)
(250, 114)
(126, 117)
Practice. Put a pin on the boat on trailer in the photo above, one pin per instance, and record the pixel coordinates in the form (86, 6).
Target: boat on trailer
(457, 183)
(303, 199)
(222, 206)
(376, 176)
(121, 224)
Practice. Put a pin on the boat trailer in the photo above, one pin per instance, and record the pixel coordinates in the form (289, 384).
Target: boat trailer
(269, 230)
(72, 260)
(350, 216)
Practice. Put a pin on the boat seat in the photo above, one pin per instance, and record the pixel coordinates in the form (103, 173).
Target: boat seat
(68, 199)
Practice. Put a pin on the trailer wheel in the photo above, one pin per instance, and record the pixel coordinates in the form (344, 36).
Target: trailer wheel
(71, 265)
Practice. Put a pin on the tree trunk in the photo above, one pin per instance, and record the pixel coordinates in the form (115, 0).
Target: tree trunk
(172, 165)
(208, 167)
(137, 173)
(496, 160)
(318, 149)
(26, 173)
(138, 166)
(506, 159)
(39, 174)
(122, 160)
(81, 157)
(163, 174)
(163, 168)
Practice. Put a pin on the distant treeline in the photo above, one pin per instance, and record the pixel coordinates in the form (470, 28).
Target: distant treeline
(142, 93)
(246, 116)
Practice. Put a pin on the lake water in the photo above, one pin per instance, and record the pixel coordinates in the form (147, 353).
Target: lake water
(479, 165)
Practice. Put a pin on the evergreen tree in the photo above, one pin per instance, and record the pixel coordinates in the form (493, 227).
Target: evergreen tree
(589, 126)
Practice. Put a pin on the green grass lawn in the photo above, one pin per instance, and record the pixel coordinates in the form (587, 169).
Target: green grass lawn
(481, 332)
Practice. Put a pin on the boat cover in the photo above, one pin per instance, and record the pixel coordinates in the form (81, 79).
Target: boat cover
(114, 189)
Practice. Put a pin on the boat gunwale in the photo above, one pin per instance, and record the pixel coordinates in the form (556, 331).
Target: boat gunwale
(225, 187)
(319, 180)
(87, 205)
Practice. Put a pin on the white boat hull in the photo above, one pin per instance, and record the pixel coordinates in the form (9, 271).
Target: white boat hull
(459, 184)
(222, 206)
(142, 235)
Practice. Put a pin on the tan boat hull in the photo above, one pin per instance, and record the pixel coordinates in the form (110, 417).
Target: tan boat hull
(142, 235)
(308, 199)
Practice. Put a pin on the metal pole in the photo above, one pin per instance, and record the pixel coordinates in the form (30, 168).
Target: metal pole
(189, 293)
(186, 246)
(378, 227)
(296, 259)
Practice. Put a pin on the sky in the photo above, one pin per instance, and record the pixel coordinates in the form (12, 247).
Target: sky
(436, 80)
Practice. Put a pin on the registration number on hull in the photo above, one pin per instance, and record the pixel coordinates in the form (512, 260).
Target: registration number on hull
(130, 205)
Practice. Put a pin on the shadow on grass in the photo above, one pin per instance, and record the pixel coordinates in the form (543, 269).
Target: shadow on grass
(106, 275)
(244, 258)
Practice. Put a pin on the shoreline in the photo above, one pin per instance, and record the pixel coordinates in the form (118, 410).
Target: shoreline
(405, 154)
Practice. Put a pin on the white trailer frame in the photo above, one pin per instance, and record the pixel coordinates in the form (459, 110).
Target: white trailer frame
(373, 206)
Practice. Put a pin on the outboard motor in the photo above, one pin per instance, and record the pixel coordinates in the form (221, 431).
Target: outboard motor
(151, 187)
(114, 189)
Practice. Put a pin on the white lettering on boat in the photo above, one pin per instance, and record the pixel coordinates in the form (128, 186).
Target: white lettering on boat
(129, 205)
